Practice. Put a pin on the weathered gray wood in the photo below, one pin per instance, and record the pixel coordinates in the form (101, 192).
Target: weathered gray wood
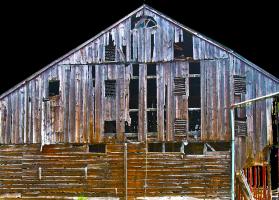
(91, 105)
(72, 104)
(160, 101)
(142, 102)
(121, 103)
(78, 113)
(98, 102)
(66, 87)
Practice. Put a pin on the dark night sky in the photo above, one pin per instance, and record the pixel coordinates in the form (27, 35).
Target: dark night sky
(35, 34)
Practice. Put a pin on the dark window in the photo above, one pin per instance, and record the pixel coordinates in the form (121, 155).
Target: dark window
(110, 127)
(53, 88)
(194, 148)
(152, 45)
(97, 148)
(155, 147)
(180, 126)
(150, 22)
(151, 69)
(173, 147)
(239, 84)
(131, 43)
(135, 69)
(194, 99)
(220, 146)
(133, 127)
(194, 68)
(274, 163)
(110, 50)
(93, 71)
(142, 22)
(240, 114)
(179, 86)
(134, 20)
(184, 49)
(151, 121)
(194, 120)
(124, 51)
(134, 94)
(110, 88)
(151, 93)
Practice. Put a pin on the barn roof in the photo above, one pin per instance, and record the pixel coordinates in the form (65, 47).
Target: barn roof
(144, 6)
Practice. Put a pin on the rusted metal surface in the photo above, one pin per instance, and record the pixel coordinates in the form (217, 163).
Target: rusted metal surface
(257, 179)
(59, 171)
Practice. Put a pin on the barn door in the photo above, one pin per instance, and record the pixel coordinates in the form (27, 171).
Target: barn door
(51, 127)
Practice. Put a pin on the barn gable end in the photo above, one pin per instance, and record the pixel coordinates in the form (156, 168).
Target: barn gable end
(144, 91)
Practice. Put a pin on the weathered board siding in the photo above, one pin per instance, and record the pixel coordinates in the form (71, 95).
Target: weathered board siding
(71, 117)
(138, 47)
(62, 170)
(78, 113)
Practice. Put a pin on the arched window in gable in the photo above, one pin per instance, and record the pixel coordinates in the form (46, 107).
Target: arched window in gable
(145, 22)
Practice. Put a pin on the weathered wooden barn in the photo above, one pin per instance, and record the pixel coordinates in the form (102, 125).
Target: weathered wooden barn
(141, 110)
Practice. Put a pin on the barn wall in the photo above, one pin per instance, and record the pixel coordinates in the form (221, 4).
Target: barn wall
(215, 99)
(137, 42)
(217, 69)
(78, 114)
(67, 170)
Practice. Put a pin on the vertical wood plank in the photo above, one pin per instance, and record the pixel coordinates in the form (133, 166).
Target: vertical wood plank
(160, 101)
(72, 105)
(142, 127)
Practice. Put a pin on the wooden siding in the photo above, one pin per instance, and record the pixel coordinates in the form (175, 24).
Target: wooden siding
(71, 117)
(78, 114)
(136, 41)
(61, 171)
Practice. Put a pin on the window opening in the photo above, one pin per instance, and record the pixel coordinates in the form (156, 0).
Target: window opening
(110, 126)
(151, 93)
(155, 147)
(53, 88)
(110, 50)
(110, 88)
(152, 121)
(132, 127)
(183, 49)
(97, 148)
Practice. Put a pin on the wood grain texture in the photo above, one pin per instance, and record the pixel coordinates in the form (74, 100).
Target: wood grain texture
(63, 174)
(77, 115)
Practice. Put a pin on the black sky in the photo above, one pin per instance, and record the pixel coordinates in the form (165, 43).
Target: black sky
(35, 34)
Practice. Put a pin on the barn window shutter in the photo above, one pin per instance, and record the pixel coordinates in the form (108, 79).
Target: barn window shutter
(239, 84)
(110, 88)
(179, 86)
(180, 126)
(240, 128)
(110, 50)
(240, 122)
(240, 113)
